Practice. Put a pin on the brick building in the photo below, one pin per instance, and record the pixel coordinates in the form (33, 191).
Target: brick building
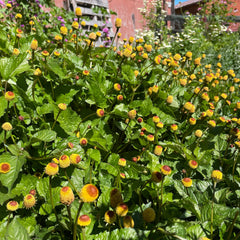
(192, 6)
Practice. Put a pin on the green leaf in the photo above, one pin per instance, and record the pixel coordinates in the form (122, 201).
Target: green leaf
(54, 66)
(3, 105)
(94, 154)
(110, 168)
(146, 107)
(45, 135)
(45, 109)
(16, 162)
(128, 74)
(17, 231)
(120, 110)
(29, 223)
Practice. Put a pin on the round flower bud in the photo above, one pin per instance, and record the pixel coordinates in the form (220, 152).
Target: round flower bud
(16, 51)
(115, 197)
(158, 150)
(170, 99)
(100, 112)
(75, 25)
(75, 158)
(212, 123)
(118, 22)
(78, 11)
(89, 193)
(62, 106)
(122, 209)
(132, 114)
(37, 72)
(83, 141)
(45, 53)
(64, 161)
(187, 182)
(66, 195)
(12, 206)
(192, 121)
(51, 169)
(119, 97)
(117, 86)
(193, 164)
(166, 170)
(7, 126)
(156, 176)
(110, 217)
(216, 175)
(92, 36)
(5, 167)
(122, 162)
(149, 215)
(29, 201)
(174, 127)
(198, 133)
(9, 96)
(159, 125)
(63, 30)
(150, 138)
(34, 44)
(128, 222)
(156, 119)
(84, 220)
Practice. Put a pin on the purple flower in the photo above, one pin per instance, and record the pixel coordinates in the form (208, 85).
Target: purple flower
(105, 30)
(199, 9)
(65, 40)
(40, 6)
(75, 19)
(62, 24)
(22, 25)
(2, 3)
(59, 18)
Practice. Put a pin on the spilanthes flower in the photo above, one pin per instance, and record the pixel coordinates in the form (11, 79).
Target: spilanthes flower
(156, 176)
(63, 30)
(198, 133)
(34, 44)
(158, 150)
(62, 106)
(216, 175)
(45, 53)
(9, 96)
(150, 137)
(122, 209)
(170, 99)
(132, 114)
(149, 215)
(83, 141)
(92, 36)
(18, 16)
(64, 161)
(115, 197)
(7, 126)
(83, 23)
(37, 72)
(51, 169)
(166, 170)
(174, 127)
(189, 54)
(159, 125)
(12, 206)
(204, 238)
(209, 112)
(187, 182)
(119, 97)
(5, 167)
(110, 217)
(100, 112)
(75, 25)
(78, 12)
(66, 195)
(75, 158)
(56, 53)
(224, 95)
(122, 162)
(122, 175)
(118, 23)
(16, 52)
(158, 59)
(84, 220)
(156, 119)
(117, 86)
(86, 72)
(193, 164)
(192, 121)
(128, 222)
(89, 193)
(177, 57)
(55, 160)
(29, 201)
(212, 123)
(58, 38)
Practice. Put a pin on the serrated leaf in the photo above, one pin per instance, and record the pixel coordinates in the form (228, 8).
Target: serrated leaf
(45, 135)
(3, 105)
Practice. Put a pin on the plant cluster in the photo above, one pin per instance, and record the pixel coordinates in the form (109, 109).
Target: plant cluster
(126, 142)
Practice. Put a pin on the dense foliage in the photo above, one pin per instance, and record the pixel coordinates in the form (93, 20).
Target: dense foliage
(133, 141)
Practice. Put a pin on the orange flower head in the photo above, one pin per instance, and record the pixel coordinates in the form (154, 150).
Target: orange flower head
(16, 51)
(29, 201)
(89, 193)
(193, 164)
(119, 97)
(37, 72)
(75, 25)
(63, 30)
(192, 121)
(117, 86)
(187, 182)
(84, 220)
(12, 206)
(122, 162)
(166, 170)
(174, 127)
(86, 72)
(78, 12)
(9, 96)
(156, 119)
(122, 209)
(51, 169)
(128, 222)
(34, 44)
(149, 215)
(198, 133)
(158, 150)
(5, 167)
(83, 141)
(158, 59)
(45, 53)
(118, 23)
(66, 195)
(7, 126)
(70, 145)
(159, 124)
(75, 158)
(92, 36)
(132, 114)
(209, 112)
(212, 123)
(169, 99)
(156, 177)
(100, 112)
(150, 137)
(110, 217)
(64, 161)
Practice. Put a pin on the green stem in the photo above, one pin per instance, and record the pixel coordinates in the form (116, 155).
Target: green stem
(70, 181)
(234, 164)
(76, 220)
(70, 216)
(9, 216)
(56, 119)
(4, 140)
(214, 186)
(84, 233)
(85, 119)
